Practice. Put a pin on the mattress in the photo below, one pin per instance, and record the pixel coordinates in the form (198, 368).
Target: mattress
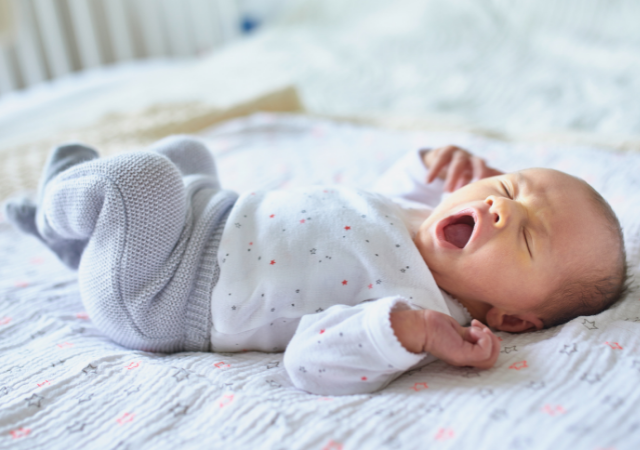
(64, 385)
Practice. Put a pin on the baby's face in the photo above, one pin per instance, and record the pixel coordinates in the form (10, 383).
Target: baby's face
(506, 243)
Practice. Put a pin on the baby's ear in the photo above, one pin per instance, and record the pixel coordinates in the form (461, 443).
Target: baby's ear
(513, 323)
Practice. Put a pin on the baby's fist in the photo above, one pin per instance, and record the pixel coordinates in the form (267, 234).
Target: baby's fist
(474, 346)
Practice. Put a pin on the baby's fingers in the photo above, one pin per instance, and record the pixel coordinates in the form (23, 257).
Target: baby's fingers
(480, 169)
(459, 165)
(442, 157)
(487, 346)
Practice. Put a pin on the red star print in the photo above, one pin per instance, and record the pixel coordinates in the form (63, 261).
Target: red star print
(347, 228)
(364, 378)
(225, 400)
(301, 220)
(5, 320)
(553, 410)
(133, 365)
(321, 331)
(419, 386)
(370, 286)
(250, 243)
(21, 284)
(332, 445)
(272, 216)
(444, 434)
(344, 282)
(126, 418)
(221, 364)
(20, 433)
(44, 383)
(65, 345)
(82, 315)
(614, 345)
(273, 261)
(518, 365)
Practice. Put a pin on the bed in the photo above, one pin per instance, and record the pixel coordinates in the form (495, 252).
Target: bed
(64, 385)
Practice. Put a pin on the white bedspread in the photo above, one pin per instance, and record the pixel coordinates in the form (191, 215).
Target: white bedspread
(63, 385)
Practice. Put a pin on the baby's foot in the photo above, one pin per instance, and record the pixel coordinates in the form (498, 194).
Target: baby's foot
(60, 159)
(22, 214)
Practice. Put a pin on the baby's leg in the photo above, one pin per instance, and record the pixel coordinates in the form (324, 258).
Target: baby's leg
(133, 211)
(23, 213)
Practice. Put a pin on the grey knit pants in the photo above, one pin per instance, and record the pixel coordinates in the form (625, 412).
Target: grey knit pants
(152, 221)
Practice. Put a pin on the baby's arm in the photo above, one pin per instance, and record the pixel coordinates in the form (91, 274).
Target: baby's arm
(441, 336)
(349, 349)
(424, 175)
(360, 349)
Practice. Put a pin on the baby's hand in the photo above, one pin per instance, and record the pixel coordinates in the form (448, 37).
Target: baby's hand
(456, 166)
(473, 346)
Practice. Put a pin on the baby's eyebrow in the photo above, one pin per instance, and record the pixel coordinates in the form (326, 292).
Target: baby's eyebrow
(524, 184)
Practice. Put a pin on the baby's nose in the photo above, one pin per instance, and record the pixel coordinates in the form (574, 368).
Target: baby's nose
(498, 209)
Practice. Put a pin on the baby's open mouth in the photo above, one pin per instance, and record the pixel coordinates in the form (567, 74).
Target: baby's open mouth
(459, 230)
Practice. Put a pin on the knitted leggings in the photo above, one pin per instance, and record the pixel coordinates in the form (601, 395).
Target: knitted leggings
(153, 222)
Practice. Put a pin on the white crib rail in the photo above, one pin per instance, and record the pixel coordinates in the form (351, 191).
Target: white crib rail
(55, 37)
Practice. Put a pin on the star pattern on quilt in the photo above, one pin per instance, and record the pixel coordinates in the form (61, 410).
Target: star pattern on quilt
(179, 409)
(536, 385)
(85, 398)
(485, 392)
(76, 427)
(4, 391)
(569, 349)
(90, 370)
(132, 390)
(519, 365)
(589, 324)
(273, 383)
(470, 373)
(590, 378)
(508, 350)
(180, 375)
(434, 408)
(613, 401)
(34, 400)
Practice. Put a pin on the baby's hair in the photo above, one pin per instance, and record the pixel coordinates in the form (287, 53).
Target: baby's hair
(593, 291)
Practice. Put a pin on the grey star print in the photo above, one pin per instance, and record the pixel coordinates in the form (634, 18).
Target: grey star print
(181, 375)
(76, 427)
(569, 349)
(90, 369)
(590, 378)
(34, 400)
(508, 350)
(179, 410)
(590, 325)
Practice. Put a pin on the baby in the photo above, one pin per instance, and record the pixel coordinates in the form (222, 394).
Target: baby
(354, 287)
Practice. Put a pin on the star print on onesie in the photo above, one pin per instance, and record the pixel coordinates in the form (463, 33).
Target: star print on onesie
(327, 266)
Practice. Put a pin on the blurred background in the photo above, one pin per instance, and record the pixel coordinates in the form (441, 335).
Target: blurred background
(513, 68)
(45, 39)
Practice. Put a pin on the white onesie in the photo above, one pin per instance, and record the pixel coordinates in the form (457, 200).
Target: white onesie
(317, 271)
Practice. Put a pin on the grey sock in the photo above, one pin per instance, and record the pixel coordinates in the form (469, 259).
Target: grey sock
(22, 212)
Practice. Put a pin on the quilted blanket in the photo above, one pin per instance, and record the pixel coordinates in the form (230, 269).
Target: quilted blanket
(64, 385)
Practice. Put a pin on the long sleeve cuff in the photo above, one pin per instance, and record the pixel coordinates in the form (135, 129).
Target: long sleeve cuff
(377, 323)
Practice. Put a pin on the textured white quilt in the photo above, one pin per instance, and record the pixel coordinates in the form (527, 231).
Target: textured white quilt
(63, 385)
